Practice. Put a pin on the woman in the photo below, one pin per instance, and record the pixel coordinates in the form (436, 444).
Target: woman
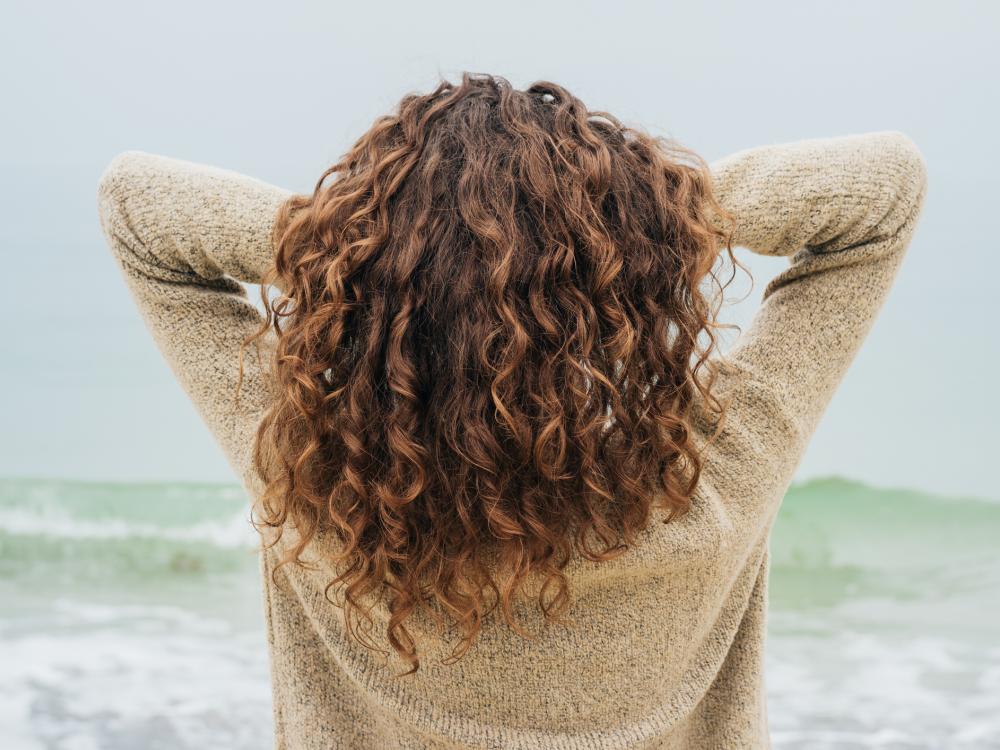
(509, 492)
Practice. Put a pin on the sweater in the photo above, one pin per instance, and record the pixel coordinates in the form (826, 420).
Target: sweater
(666, 643)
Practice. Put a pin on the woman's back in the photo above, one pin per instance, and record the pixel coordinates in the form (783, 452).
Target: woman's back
(665, 644)
(665, 650)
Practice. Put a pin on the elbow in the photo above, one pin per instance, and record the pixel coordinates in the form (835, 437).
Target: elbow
(118, 178)
(118, 196)
(910, 171)
(896, 174)
(116, 193)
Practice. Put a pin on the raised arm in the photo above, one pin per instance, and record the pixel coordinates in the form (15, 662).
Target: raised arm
(185, 235)
(843, 209)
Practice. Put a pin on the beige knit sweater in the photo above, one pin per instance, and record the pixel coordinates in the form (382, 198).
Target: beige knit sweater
(668, 647)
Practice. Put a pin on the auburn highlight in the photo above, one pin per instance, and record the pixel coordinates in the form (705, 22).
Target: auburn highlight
(490, 329)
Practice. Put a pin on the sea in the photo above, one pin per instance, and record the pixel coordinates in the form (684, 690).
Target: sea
(131, 618)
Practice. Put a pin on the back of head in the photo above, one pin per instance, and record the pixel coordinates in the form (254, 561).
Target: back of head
(490, 332)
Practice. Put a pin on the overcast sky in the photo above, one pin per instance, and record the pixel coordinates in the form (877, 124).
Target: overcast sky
(279, 90)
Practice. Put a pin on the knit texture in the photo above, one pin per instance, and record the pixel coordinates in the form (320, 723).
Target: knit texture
(667, 646)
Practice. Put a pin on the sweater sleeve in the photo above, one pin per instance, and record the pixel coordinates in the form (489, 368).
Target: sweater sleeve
(184, 235)
(843, 210)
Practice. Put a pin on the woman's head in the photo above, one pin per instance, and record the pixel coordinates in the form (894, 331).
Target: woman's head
(490, 333)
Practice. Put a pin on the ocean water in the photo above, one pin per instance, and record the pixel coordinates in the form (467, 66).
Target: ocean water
(131, 618)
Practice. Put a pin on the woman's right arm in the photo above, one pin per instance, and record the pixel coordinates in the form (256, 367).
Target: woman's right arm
(843, 209)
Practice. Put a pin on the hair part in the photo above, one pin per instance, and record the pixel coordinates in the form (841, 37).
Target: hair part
(490, 332)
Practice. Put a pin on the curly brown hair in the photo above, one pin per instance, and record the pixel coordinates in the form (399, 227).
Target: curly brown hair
(489, 336)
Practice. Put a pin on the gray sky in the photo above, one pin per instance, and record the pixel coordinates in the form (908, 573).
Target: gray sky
(279, 90)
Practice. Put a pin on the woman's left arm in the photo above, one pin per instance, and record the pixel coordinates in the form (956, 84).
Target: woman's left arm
(184, 235)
